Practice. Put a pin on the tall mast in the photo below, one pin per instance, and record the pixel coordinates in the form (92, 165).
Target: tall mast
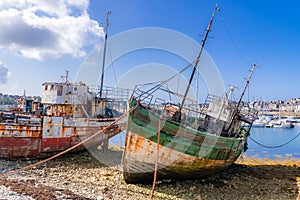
(104, 54)
(198, 57)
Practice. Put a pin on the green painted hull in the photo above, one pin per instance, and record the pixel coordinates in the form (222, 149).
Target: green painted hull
(184, 152)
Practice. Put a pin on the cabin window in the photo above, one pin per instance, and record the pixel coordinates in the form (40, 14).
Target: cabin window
(46, 87)
(75, 88)
(59, 90)
(52, 87)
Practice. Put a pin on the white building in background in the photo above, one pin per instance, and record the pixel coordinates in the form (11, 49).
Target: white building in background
(297, 108)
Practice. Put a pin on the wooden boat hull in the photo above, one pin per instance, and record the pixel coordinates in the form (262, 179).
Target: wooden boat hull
(189, 154)
(178, 138)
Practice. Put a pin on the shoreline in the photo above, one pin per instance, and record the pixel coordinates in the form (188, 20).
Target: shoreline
(81, 176)
(286, 161)
(280, 113)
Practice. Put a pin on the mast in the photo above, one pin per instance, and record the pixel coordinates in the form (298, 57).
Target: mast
(198, 57)
(104, 54)
(236, 111)
(246, 85)
(65, 78)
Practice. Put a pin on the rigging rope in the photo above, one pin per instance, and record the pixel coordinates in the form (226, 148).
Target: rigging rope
(170, 97)
(71, 148)
(113, 66)
(274, 147)
(233, 43)
(152, 90)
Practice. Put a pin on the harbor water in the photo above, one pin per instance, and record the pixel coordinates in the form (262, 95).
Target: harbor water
(273, 137)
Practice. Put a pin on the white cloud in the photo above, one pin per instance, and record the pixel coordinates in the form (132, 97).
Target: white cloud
(4, 73)
(42, 29)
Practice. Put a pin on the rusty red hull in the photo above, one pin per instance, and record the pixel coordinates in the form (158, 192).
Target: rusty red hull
(25, 141)
(19, 147)
(13, 148)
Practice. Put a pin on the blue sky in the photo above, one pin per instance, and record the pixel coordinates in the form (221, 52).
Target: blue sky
(38, 41)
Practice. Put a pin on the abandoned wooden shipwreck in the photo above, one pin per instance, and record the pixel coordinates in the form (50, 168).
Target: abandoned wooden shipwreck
(183, 139)
(67, 114)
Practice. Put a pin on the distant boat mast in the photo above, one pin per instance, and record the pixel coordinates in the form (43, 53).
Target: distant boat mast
(104, 54)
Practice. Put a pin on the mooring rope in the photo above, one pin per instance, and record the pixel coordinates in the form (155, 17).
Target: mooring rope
(71, 148)
(274, 147)
(156, 160)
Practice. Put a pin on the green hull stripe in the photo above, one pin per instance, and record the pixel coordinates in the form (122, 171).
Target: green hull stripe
(193, 142)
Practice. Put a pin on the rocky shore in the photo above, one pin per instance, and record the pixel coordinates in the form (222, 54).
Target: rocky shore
(82, 176)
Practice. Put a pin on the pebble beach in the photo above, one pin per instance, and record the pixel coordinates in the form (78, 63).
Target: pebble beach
(82, 176)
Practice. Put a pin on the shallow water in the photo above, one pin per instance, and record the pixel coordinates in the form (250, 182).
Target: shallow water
(266, 136)
(274, 137)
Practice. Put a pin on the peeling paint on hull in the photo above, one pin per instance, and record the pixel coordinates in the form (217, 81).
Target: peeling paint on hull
(188, 154)
(139, 163)
(25, 141)
(19, 147)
